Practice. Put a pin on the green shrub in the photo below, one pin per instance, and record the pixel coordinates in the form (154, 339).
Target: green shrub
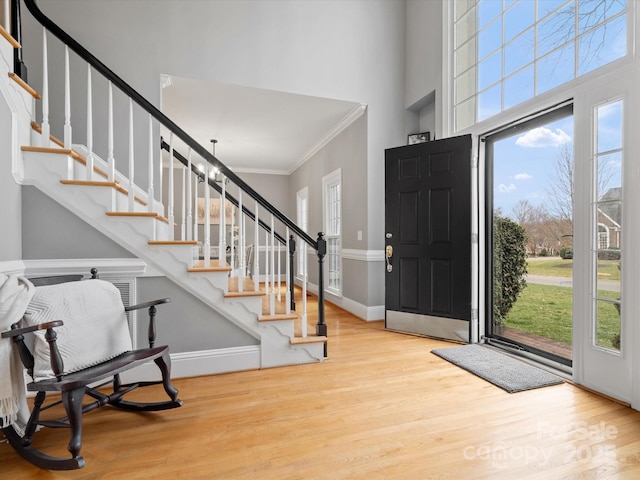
(613, 254)
(509, 266)
(566, 253)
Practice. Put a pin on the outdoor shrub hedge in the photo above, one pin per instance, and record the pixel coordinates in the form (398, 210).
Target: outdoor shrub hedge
(566, 253)
(509, 264)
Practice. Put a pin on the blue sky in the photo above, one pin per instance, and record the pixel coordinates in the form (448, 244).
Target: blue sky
(524, 164)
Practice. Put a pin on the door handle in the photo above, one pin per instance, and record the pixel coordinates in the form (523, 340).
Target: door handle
(387, 257)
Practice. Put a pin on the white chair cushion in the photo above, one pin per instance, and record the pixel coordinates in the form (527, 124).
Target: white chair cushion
(95, 324)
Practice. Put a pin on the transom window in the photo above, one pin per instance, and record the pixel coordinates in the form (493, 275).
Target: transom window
(508, 51)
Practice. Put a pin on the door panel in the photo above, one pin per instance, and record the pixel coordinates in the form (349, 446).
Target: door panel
(428, 225)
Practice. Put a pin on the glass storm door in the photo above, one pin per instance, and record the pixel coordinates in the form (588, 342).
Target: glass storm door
(530, 220)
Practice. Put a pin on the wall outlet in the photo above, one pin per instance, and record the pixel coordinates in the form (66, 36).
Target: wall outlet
(360, 235)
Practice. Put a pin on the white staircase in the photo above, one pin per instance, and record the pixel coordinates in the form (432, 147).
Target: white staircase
(144, 231)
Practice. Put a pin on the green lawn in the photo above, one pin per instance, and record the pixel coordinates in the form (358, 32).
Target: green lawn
(557, 267)
(545, 310)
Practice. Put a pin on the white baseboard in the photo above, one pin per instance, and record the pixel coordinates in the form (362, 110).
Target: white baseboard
(366, 313)
(12, 267)
(205, 362)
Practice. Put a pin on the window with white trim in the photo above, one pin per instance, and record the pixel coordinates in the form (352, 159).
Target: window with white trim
(302, 209)
(506, 52)
(608, 157)
(332, 205)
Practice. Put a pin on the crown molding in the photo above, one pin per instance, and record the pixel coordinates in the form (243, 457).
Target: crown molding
(340, 127)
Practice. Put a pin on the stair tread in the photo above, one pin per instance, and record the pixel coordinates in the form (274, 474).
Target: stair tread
(63, 151)
(60, 151)
(89, 183)
(157, 216)
(14, 43)
(214, 266)
(278, 316)
(55, 140)
(173, 242)
(24, 85)
(308, 339)
(251, 293)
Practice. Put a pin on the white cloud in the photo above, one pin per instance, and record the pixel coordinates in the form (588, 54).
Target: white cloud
(523, 176)
(543, 137)
(506, 188)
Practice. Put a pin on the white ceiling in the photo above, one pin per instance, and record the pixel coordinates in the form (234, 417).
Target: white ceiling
(260, 131)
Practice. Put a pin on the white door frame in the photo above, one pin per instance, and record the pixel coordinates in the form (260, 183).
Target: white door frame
(594, 367)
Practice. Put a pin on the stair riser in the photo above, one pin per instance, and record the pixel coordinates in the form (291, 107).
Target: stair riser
(146, 226)
(55, 166)
(252, 303)
(217, 279)
(285, 327)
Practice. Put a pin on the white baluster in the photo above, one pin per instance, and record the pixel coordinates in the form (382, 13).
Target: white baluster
(67, 100)
(131, 159)
(303, 252)
(287, 296)
(89, 126)
(256, 252)
(266, 265)
(160, 174)
(279, 273)
(207, 218)
(273, 269)
(6, 15)
(196, 181)
(45, 129)
(150, 192)
(241, 245)
(183, 229)
(223, 220)
(189, 197)
(111, 162)
(171, 191)
(232, 240)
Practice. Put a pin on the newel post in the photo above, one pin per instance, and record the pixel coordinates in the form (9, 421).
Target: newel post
(321, 327)
(292, 252)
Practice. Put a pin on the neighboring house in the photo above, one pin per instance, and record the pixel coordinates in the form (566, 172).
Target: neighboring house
(610, 219)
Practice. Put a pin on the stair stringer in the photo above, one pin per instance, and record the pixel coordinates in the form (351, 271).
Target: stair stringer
(45, 170)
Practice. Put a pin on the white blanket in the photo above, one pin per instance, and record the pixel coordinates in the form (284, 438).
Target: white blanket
(15, 294)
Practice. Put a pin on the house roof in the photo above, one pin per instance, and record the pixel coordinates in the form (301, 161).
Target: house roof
(611, 206)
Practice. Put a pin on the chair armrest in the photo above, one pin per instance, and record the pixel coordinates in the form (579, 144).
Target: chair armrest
(151, 303)
(152, 316)
(14, 332)
(57, 365)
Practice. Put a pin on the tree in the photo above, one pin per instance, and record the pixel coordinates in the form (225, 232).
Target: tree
(561, 186)
(509, 265)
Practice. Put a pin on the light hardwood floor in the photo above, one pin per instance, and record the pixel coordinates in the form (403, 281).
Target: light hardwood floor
(380, 407)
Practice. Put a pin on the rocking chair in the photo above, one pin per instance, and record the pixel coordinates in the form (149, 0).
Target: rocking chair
(81, 338)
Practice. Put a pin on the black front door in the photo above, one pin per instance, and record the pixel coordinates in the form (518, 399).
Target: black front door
(428, 238)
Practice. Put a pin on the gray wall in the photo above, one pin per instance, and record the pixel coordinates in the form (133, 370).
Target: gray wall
(10, 197)
(50, 231)
(424, 62)
(185, 314)
(347, 151)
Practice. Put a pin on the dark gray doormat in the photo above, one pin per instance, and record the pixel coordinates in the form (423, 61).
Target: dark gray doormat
(502, 370)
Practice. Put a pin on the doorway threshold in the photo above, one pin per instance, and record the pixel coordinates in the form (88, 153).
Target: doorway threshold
(560, 369)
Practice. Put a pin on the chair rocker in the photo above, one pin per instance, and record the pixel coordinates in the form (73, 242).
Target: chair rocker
(83, 347)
